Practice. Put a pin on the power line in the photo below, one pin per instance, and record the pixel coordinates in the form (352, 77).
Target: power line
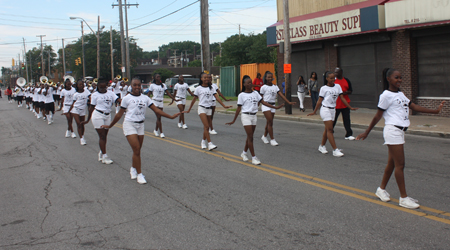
(155, 11)
(165, 15)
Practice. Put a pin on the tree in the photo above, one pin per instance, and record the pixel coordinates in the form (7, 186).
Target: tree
(195, 63)
(165, 73)
(33, 59)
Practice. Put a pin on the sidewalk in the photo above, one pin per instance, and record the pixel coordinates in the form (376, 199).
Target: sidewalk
(361, 118)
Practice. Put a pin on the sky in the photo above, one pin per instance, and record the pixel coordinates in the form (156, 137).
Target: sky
(26, 19)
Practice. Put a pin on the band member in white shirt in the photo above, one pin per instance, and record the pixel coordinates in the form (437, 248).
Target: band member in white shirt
(78, 108)
(248, 102)
(100, 112)
(205, 93)
(135, 105)
(213, 110)
(394, 107)
(327, 104)
(67, 100)
(180, 92)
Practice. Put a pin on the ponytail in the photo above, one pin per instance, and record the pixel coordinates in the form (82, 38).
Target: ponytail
(244, 78)
(325, 76)
(387, 72)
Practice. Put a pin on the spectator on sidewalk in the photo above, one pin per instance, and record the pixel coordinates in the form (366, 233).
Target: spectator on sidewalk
(346, 87)
(258, 82)
(313, 89)
(301, 89)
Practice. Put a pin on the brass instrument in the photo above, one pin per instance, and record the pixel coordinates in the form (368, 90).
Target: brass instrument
(118, 77)
(125, 79)
(43, 79)
(95, 80)
(72, 80)
(21, 81)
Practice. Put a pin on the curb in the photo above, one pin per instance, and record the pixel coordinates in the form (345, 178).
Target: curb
(355, 125)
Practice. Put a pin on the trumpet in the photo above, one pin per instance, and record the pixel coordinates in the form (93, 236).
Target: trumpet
(95, 80)
(118, 77)
(125, 79)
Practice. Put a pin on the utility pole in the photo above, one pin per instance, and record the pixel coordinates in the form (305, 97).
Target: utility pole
(42, 54)
(206, 56)
(25, 58)
(128, 38)
(64, 57)
(239, 32)
(82, 49)
(122, 47)
(19, 66)
(112, 53)
(175, 53)
(287, 55)
(31, 68)
(98, 48)
(49, 64)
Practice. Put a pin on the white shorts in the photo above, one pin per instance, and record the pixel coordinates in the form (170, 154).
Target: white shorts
(99, 119)
(66, 109)
(80, 112)
(181, 101)
(132, 128)
(264, 108)
(213, 102)
(202, 110)
(159, 104)
(327, 114)
(393, 135)
(248, 120)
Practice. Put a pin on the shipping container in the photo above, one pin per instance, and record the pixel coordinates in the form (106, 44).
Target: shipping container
(229, 81)
(254, 68)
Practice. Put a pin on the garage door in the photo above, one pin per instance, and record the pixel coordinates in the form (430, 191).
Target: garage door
(433, 57)
(305, 62)
(363, 66)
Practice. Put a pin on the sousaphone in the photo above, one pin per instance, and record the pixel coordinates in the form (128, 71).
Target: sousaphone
(21, 82)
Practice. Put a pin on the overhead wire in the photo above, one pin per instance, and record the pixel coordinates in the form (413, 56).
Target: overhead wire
(154, 12)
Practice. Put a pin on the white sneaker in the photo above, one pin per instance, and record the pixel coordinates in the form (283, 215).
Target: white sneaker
(74, 135)
(273, 142)
(244, 157)
(156, 133)
(350, 138)
(100, 156)
(67, 133)
(162, 135)
(383, 195)
(185, 126)
(106, 160)
(133, 173)
(45, 118)
(83, 141)
(323, 149)
(141, 179)
(337, 152)
(264, 139)
(408, 202)
(180, 125)
(256, 161)
(211, 146)
(212, 132)
(203, 144)
(49, 122)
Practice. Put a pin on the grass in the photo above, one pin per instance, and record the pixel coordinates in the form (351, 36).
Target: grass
(231, 109)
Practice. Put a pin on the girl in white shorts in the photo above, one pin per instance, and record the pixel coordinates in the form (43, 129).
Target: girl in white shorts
(135, 105)
(67, 100)
(180, 92)
(269, 92)
(157, 90)
(205, 93)
(213, 105)
(248, 101)
(394, 107)
(327, 104)
(100, 113)
(78, 108)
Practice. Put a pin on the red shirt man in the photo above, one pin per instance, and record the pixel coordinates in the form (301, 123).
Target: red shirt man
(346, 86)
(257, 82)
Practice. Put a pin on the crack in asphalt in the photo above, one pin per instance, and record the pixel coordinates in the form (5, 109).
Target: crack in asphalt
(47, 189)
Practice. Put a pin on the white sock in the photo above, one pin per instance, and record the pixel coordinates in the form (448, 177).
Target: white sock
(244, 152)
(254, 157)
(105, 155)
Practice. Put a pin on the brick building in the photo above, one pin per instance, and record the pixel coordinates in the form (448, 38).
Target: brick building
(363, 38)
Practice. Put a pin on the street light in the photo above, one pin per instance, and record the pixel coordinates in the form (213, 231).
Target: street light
(98, 42)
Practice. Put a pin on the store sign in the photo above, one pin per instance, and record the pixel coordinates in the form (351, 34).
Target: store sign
(414, 12)
(327, 26)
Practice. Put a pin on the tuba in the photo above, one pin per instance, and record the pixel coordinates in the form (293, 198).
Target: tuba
(43, 79)
(21, 81)
(71, 79)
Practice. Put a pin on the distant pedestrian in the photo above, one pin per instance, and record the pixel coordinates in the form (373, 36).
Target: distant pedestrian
(301, 91)
(257, 82)
(347, 89)
(394, 107)
(327, 104)
(313, 89)
(269, 92)
(248, 101)
(8, 92)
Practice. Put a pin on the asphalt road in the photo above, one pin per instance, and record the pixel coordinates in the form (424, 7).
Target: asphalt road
(55, 195)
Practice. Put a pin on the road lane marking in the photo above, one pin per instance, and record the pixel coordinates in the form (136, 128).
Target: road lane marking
(311, 180)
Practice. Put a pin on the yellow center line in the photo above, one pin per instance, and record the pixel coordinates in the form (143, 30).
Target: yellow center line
(309, 180)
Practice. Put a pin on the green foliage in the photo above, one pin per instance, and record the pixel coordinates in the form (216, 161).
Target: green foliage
(165, 73)
(35, 55)
(195, 63)
(180, 46)
(245, 49)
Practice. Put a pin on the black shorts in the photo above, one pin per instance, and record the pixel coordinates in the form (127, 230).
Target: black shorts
(50, 106)
(20, 98)
(41, 105)
(28, 99)
(56, 97)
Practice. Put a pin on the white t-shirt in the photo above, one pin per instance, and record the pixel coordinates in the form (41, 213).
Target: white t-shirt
(205, 96)
(269, 93)
(110, 88)
(136, 107)
(215, 89)
(330, 94)
(39, 97)
(181, 90)
(124, 90)
(157, 91)
(103, 101)
(80, 99)
(35, 94)
(49, 97)
(249, 101)
(20, 91)
(58, 90)
(129, 89)
(117, 88)
(68, 96)
(396, 108)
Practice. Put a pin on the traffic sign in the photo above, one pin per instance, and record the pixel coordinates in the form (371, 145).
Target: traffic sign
(287, 68)
(68, 72)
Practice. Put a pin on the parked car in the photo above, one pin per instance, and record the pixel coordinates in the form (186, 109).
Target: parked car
(192, 87)
(170, 82)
